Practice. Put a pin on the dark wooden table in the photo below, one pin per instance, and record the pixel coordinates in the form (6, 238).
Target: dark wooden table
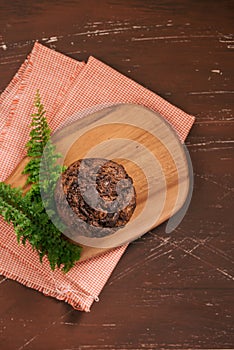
(168, 291)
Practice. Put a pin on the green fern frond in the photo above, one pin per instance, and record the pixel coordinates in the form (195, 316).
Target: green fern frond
(27, 213)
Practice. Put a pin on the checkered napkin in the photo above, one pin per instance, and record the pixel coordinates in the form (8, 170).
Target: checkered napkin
(67, 87)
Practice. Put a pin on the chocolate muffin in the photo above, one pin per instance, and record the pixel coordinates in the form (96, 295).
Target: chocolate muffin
(95, 197)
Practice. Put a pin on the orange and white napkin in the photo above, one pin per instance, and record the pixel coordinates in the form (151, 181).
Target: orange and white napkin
(66, 86)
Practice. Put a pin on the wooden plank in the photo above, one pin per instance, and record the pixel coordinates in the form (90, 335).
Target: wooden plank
(161, 295)
(151, 153)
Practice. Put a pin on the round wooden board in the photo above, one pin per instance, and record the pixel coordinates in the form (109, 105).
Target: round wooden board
(151, 153)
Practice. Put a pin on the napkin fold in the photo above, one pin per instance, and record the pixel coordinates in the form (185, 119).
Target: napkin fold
(67, 87)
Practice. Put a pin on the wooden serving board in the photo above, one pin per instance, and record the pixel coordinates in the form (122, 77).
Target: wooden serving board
(149, 149)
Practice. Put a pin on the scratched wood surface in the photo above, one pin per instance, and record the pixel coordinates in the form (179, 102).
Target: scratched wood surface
(168, 291)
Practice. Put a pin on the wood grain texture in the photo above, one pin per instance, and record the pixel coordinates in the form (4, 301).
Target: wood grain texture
(150, 152)
(168, 291)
